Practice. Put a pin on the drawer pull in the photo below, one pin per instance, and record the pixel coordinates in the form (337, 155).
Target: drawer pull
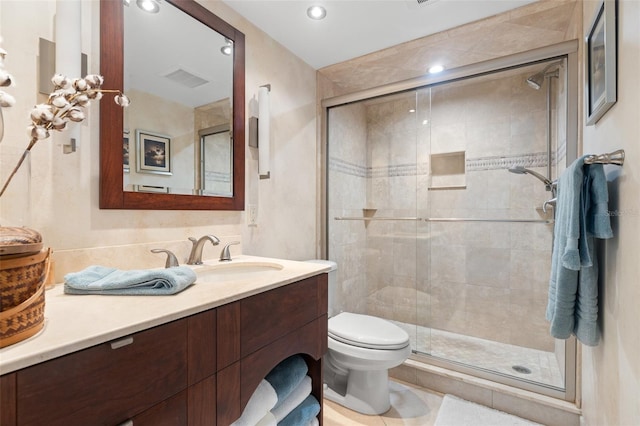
(118, 344)
(127, 423)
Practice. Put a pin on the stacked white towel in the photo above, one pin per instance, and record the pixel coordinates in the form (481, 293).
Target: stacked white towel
(264, 398)
(268, 420)
(294, 399)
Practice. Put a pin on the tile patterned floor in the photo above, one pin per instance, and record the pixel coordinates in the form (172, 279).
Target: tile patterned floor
(486, 354)
(410, 405)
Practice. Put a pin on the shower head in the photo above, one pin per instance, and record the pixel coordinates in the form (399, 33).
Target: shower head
(537, 80)
(524, 171)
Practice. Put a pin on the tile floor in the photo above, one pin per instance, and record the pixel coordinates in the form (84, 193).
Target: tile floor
(410, 405)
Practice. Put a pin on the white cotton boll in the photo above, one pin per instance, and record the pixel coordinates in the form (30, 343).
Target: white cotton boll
(58, 123)
(94, 80)
(37, 132)
(75, 114)
(42, 112)
(6, 100)
(5, 78)
(82, 100)
(59, 101)
(80, 84)
(122, 100)
(60, 80)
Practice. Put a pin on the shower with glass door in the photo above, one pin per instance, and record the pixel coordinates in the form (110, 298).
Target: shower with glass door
(435, 217)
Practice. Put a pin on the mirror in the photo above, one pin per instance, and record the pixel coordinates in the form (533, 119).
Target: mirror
(183, 134)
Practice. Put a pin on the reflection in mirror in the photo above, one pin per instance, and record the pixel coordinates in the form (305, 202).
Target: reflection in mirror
(177, 89)
(216, 172)
(183, 69)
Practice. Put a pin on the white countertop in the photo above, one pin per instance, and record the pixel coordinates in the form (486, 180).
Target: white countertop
(75, 322)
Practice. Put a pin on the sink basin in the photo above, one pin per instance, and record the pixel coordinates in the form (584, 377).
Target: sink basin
(231, 271)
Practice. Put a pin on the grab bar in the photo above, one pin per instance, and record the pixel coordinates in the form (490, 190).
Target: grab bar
(444, 219)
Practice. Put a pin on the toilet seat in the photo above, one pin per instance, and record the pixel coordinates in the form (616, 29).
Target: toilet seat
(368, 332)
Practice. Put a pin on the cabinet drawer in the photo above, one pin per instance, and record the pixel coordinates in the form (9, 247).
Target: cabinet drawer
(106, 384)
(266, 317)
(172, 412)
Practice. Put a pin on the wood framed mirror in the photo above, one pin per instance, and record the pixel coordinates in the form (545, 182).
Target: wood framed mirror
(118, 140)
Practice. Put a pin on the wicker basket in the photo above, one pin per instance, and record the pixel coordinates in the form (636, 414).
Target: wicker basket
(22, 282)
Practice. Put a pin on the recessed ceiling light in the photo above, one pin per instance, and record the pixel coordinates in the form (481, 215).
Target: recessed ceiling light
(436, 69)
(316, 12)
(151, 6)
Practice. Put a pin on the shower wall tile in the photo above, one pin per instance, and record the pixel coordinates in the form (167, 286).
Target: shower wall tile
(447, 138)
(487, 266)
(488, 138)
(448, 263)
(448, 306)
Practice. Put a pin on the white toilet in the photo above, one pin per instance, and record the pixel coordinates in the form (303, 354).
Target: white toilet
(362, 348)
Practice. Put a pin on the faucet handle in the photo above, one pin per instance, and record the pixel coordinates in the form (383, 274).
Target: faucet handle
(172, 260)
(225, 254)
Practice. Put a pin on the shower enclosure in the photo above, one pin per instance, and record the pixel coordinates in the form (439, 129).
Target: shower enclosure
(431, 231)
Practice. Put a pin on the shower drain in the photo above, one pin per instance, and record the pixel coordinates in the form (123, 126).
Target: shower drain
(521, 369)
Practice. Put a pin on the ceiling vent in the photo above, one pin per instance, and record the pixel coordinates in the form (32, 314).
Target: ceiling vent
(185, 78)
(414, 4)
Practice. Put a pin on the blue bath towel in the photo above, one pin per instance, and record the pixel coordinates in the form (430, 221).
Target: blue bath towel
(111, 281)
(303, 413)
(286, 376)
(581, 215)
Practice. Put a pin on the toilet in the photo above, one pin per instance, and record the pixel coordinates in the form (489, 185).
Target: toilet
(362, 349)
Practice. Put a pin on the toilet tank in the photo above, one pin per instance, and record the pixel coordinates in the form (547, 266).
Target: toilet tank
(332, 282)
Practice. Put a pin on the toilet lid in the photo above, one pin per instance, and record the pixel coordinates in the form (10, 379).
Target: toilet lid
(367, 332)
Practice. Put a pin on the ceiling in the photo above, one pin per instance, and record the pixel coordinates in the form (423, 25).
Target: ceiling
(354, 28)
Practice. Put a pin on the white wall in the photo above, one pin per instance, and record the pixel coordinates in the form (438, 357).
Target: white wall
(611, 371)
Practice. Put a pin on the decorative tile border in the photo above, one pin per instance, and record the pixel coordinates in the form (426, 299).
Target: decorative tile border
(538, 159)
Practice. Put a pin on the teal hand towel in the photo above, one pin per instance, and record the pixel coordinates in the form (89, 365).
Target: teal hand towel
(581, 216)
(286, 376)
(303, 413)
(111, 281)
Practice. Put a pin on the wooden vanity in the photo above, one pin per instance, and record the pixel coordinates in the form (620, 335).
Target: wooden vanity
(200, 369)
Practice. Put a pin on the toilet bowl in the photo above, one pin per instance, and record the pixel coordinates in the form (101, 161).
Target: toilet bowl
(362, 348)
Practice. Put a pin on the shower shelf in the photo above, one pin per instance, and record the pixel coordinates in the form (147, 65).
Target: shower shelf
(443, 219)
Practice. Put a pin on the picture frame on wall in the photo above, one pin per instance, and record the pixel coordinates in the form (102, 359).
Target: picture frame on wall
(125, 151)
(601, 62)
(153, 153)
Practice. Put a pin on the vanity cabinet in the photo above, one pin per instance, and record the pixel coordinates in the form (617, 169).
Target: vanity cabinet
(199, 370)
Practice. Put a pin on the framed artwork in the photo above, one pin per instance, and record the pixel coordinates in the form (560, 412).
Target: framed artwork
(600, 63)
(153, 153)
(125, 151)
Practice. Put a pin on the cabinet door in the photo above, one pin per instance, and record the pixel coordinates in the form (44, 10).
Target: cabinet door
(8, 400)
(268, 316)
(106, 384)
(172, 412)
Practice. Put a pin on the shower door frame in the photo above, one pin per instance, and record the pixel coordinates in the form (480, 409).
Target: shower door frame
(566, 50)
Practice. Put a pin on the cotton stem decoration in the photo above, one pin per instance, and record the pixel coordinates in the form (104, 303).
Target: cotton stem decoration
(66, 103)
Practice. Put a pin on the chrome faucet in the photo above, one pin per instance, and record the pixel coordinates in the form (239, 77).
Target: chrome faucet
(225, 254)
(195, 258)
(172, 260)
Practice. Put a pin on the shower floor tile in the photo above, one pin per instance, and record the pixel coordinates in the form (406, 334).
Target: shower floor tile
(539, 366)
